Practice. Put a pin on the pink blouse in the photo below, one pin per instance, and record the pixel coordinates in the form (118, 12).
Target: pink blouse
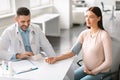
(97, 50)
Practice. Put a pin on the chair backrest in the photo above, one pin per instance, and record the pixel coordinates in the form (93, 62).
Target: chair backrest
(116, 54)
(117, 5)
(102, 6)
(115, 68)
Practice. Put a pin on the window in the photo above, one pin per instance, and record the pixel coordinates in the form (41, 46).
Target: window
(6, 7)
(45, 2)
(35, 3)
(38, 3)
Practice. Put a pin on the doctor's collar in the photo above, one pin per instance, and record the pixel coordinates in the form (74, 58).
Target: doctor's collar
(30, 29)
(20, 30)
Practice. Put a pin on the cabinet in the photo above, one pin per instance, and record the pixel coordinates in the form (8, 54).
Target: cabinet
(78, 15)
(49, 24)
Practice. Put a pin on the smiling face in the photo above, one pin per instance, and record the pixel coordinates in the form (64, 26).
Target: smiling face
(91, 19)
(23, 21)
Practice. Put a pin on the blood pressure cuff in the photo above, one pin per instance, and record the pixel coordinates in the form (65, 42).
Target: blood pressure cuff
(76, 48)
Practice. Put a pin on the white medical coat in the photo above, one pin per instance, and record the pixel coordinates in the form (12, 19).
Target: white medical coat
(11, 42)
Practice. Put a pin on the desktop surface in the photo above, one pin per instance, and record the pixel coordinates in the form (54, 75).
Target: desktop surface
(45, 71)
(8, 78)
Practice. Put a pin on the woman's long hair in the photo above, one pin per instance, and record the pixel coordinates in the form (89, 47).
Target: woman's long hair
(98, 13)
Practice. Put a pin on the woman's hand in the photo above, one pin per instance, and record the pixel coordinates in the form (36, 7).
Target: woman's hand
(92, 72)
(86, 70)
(50, 60)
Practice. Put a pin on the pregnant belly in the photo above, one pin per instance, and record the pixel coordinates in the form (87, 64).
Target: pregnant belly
(92, 63)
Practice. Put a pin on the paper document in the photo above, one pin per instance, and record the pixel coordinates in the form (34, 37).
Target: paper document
(23, 66)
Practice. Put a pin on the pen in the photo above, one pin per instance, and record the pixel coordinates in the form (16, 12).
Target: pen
(27, 70)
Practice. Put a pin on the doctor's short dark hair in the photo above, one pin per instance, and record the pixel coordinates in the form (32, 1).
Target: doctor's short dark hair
(23, 11)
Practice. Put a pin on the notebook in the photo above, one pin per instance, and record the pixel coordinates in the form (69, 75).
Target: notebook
(23, 66)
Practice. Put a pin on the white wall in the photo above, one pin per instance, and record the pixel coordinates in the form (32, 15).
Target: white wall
(24, 3)
(10, 19)
(109, 2)
(63, 7)
(97, 2)
(19, 3)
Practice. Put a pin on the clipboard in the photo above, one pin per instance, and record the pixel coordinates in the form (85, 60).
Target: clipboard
(23, 66)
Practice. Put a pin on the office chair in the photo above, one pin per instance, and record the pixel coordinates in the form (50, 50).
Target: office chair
(114, 75)
(103, 8)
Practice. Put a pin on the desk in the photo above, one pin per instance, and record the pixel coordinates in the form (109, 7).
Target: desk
(49, 24)
(47, 71)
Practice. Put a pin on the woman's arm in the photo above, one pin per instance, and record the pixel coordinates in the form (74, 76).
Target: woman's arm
(74, 50)
(52, 60)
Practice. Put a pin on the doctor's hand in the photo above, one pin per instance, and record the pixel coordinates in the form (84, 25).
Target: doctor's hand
(24, 55)
(50, 60)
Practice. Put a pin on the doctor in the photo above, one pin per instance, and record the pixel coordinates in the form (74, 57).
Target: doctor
(23, 39)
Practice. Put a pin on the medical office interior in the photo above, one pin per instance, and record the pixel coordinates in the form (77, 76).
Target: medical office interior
(63, 20)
